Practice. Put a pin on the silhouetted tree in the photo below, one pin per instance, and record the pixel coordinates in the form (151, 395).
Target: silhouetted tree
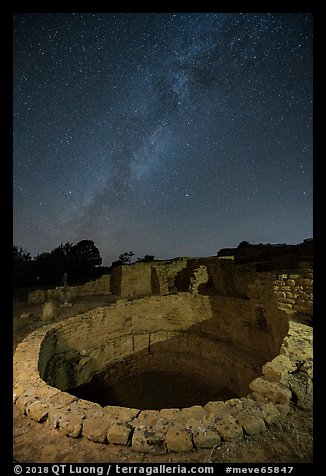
(146, 259)
(244, 244)
(83, 258)
(79, 261)
(125, 258)
(22, 267)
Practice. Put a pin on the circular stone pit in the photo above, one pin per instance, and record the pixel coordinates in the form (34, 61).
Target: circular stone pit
(218, 338)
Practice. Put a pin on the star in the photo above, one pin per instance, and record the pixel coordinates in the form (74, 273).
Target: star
(129, 115)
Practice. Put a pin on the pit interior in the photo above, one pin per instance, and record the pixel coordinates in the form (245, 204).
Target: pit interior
(159, 352)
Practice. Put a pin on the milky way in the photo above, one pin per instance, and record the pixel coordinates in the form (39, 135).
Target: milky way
(164, 134)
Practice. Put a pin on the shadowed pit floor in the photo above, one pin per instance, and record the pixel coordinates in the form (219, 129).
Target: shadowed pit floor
(153, 390)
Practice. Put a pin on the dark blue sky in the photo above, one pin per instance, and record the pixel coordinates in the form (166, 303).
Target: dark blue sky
(165, 134)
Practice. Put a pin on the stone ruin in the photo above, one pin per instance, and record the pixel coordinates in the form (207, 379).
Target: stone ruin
(235, 325)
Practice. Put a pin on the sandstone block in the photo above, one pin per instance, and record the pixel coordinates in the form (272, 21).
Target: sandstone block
(216, 408)
(250, 423)
(195, 411)
(147, 441)
(279, 368)
(148, 417)
(54, 417)
(169, 413)
(259, 398)
(270, 413)
(95, 428)
(253, 406)
(206, 437)
(38, 411)
(84, 407)
(23, 401)
(298, 385)
(271, 390)
(62, 399)
(122, 414)
(178, 440)
(71, 424)
(234, 405)
(119, 433)
(227, 427)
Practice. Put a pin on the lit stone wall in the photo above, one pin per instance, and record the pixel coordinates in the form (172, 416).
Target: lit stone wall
(59, 355)
(93, 287)
(244, 328)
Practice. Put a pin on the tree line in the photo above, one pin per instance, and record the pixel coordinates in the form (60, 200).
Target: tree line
(81, 261)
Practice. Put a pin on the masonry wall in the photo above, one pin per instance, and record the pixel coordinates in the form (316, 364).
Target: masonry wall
(294, 289)
(132, 280)
(215, 363)
(215, 326)
(95, 286)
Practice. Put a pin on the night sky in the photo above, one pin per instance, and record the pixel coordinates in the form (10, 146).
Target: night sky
(172, 134)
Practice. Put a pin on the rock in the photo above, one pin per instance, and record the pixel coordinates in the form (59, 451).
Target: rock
(195, 411)
(49, 311)
(119, 433)
(84, 407)
(278, 369)
(95, 428)
(271, 390)
(259, 398)
(38, 411)
(250, 423)
(307, 367)
(206, 437)
(178, 440)
(147, 441)
(253, 406)
(26, 315)
(122, 414)
(227, 427)
(270, 413)
(216, 408)
(148, 418)
(62, 399)
(169, 413)
(71, 424)
(299, 384)
(233, 406)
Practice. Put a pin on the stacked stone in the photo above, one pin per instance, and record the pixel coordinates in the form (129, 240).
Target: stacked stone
(294, 291)
(287, 378)
(200, 276)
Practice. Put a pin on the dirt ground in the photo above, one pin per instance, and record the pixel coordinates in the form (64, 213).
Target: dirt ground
(290, 441)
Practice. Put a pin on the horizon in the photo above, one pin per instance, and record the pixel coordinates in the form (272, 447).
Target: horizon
(135, 257)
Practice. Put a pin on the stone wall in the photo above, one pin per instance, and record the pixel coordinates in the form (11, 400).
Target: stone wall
(285, 379)
(132, 280)
(95, 286)
(208, 276)
(233, 318)
(164, 275)
(294, 291)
